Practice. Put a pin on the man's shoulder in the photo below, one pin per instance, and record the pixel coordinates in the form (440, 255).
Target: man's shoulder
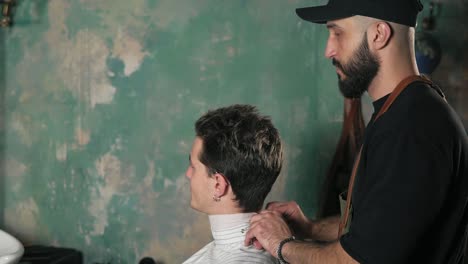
(420, 99)
(199, 256)
(421, 108)
(420, 115)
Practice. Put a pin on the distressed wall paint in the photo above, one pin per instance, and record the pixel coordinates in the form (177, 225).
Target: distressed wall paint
(99, 100)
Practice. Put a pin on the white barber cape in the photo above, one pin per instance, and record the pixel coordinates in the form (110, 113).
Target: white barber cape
(228, 245)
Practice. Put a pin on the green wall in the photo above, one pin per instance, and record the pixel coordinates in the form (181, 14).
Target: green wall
(99, 101)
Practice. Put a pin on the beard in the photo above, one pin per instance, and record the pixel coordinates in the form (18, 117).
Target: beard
(359, 71)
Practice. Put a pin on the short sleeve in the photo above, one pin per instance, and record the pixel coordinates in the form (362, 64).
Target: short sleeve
(402, 190)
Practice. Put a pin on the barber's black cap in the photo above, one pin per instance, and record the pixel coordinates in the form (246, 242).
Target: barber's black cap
(402, 12)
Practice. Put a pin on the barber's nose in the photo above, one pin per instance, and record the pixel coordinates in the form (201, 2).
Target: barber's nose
(330, 50)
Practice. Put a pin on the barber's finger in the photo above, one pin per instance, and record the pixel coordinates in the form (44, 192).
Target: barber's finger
(257, 244)
(272, 205)
(249, 236)
(266, 214)
(287, 209)
(255, 218)
(280, 207)
(263, 213)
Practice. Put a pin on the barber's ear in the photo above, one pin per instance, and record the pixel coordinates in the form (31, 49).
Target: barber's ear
(221, 185)
(381, 34)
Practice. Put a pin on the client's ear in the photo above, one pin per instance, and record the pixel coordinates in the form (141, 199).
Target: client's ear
(221, 185)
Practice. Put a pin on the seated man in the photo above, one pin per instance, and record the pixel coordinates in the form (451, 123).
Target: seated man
(235, 159)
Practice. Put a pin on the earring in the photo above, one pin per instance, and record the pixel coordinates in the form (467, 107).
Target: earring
(216, 199)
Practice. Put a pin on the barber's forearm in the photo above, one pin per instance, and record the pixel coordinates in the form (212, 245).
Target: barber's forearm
(305, 252)
(325, 229)
(301, 252)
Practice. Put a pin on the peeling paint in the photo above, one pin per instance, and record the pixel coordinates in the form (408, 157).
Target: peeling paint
(82, 136)
(61, 152)
(108, 167)
(129, 50)
(24, 214)
(87, 81)
(19, 124)
(15, 169)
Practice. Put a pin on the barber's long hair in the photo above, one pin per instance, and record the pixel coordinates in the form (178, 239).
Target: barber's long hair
(339, 172)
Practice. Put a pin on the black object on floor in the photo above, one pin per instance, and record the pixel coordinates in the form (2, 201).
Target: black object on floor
(147, 260)
(51, 255)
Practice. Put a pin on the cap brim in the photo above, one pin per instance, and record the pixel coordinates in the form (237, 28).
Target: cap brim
(320, 14)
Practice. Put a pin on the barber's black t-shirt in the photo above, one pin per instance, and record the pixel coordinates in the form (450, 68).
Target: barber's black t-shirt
(411, 190)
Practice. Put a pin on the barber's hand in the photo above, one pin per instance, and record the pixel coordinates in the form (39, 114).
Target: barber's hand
(292, 213)
(267, 229)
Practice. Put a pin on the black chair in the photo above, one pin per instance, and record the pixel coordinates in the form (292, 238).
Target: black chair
(51, 255)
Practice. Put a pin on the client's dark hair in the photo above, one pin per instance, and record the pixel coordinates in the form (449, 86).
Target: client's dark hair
(245, 147)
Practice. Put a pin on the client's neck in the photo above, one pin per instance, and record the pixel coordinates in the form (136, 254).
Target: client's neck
(229, 218)
(229, 228)
(224, 207)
